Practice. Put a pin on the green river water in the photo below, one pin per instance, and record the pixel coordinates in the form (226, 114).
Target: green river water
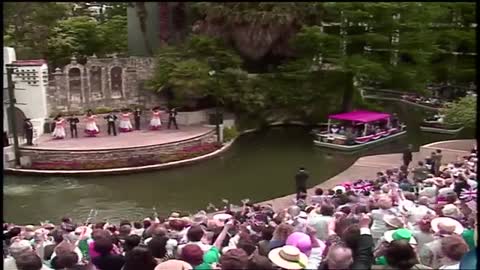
(259, 166)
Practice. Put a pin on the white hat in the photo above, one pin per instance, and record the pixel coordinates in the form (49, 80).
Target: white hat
(342, 188)
(393, 221)
(288, 257)
(446, 224)
(222, 217)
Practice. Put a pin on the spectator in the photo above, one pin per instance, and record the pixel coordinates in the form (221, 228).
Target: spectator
(106, 260)
(28, 260)
(401, 255)
(234, 259)
(453, 248)
(139, 258)
(320, 218)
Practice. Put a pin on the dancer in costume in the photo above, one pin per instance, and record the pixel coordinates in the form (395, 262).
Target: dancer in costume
(91, 128)
(125, 124)
(73, 125)
(59, 131)
(155, 123)
(111, 118)
(137, 114)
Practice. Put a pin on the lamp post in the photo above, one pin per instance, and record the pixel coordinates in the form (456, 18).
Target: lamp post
(212, 73)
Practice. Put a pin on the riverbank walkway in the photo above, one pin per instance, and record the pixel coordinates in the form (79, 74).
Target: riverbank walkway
(367, 167)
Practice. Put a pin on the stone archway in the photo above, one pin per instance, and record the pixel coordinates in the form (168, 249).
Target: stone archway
(19, 120)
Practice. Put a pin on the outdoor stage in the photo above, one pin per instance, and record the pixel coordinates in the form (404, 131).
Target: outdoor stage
(103, 141)
(126, 152)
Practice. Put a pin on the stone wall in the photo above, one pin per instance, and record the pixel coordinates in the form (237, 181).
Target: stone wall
(107, 82)
(118, 158)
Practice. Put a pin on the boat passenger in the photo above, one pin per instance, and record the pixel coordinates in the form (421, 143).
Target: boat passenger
(342, 130)
(334, 129)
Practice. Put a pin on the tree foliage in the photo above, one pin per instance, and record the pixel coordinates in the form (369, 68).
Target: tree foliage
(55, 31)
(463, 111)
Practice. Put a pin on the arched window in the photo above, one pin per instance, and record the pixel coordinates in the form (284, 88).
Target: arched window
(75, 83)
(96, 82)
(116, 82)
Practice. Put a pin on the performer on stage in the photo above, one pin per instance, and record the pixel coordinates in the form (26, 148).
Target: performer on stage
(137, 115)
(155, 123)
(28, 131)
(125, 124)
(73, 125)
(91, 128)
(111, 118)
(172, 117)
(59, 131)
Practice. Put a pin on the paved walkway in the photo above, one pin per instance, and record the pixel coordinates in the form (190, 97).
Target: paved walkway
(122, 140)
(367, 167)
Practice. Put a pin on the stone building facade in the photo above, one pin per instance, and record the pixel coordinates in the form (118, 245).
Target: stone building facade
(107, 82)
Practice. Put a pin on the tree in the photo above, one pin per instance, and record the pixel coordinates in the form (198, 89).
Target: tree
(28, 25)
(114, 35)
(463, 111)
(184, 69)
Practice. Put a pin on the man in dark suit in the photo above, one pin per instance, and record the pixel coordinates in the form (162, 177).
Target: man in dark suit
(172, 117)
(28, 131)
(136, 117)
(407, 155)
(73, 125)
(301, 182)
(111, 118)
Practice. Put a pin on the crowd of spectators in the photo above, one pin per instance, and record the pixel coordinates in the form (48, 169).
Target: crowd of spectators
(406, 218)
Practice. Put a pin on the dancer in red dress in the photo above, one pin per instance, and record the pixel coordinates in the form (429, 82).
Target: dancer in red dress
(91, 128)
(125, 124)
(155, 123)
(59, 131)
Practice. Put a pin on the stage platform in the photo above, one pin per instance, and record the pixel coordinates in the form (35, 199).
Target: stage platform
(126, 152)
(123, 140)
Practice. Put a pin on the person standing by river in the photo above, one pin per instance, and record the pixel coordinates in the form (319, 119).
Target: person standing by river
(407, 155)
(301, 182)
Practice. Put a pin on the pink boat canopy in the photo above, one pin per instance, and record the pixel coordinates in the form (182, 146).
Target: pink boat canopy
(360, 116)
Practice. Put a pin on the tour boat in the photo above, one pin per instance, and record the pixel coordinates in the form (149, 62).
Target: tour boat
(362, 123)
(438, 126)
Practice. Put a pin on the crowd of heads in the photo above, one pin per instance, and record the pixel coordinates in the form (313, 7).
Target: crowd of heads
(405, 218)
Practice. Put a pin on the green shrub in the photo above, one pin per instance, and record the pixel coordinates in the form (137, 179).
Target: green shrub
(229, 133)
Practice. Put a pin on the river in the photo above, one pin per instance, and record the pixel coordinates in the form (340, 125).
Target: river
(259, 166)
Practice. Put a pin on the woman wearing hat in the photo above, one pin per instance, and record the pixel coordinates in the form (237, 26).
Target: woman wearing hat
(431, 253)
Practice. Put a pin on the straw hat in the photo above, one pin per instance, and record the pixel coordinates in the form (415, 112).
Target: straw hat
(446, 225)
(398, 234)
(450, 210)
(288, 257)
(393, 221)
(173, 265)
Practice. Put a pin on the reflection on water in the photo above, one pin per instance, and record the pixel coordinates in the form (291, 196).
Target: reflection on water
(259, 166)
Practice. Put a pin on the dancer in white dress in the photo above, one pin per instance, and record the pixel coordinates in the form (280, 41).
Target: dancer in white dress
(155, 123)
(125, 124)
(59, 131)
(91, 128)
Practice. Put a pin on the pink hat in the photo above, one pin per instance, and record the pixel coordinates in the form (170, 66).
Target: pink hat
(301, 241)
